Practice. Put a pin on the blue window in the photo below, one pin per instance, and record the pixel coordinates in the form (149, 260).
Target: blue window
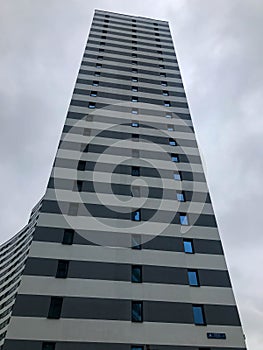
(93, 93)
(136, 215)
(95, 83)
(137, 347)
(98, 65)
(198, 314)
(92, 105)
(172, 142)
(97, 74)
(163, 83)
(134, 111)
(137, 311)
(135, 124)
(180, 197)
(170, 127)
(134, 88)
(165, 93)
(136, 276)
(183, 219)
(175, 158)
(134, 99)
(168, 116)
(193, 278)
(136, 242)
(188, 246)
(167, 103)
(177, 176)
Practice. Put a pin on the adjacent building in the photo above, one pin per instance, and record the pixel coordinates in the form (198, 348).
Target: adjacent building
(126, 253)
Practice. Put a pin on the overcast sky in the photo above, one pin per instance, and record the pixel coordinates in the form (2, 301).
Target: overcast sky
(220, 52)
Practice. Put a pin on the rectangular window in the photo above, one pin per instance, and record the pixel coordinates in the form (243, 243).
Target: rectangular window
(183, 219)
(135, 171)
(95, 83)
(134, 63)
(103, 37)
(136, 242)
(172, 142)
(165, 93)
(73, 209)
(134, 111)
(135, 137)
(134, 99)
(180, 197)
(102, 43)
(198, 314)
(134, 88)
(167, 104)
(92, 105)
(62, 269)
(162, 75)
(68, 236)
(134, 48)
(55, 307)
(93, 93)
(161, 66)
(163, 83)
(137, 311)
(134, 55)
(135, 124)
(97, 74)
(134, 79)
(170, 127)
(48, 346)
(193, 278)
(102, 50)
(134, 70)
(136, 215)
(177, 176)
(98, 65)
(174, 158)
(100, 58)
(81, 165)
(188, 246)
(136, 274)
(168, 116)
(137, 347)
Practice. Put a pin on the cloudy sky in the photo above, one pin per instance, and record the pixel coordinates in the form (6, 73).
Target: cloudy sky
(219, 48)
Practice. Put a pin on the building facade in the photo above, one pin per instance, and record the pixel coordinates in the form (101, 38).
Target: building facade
(126, 253)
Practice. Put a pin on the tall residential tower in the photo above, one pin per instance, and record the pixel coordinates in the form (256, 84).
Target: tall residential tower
(126, 253)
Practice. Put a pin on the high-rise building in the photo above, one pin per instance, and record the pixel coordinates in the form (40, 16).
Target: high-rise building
(126, 253)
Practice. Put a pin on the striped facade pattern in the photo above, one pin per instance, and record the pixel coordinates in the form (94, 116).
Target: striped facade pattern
(86, 284)
(13, 255)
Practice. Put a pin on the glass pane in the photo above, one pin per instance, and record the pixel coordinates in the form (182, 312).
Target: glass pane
(137, 312)
(177, 176)
(136, 242)
(136, 274)
(188, 247)
(183, 220)
(175, 159)
(192, 278)
(198, 315)
(180, 197)
(137, 216)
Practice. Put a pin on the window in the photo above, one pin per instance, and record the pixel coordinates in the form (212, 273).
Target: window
(97, 74)
(103, 37)
(188, 246)
(134, 111)
(136, 242)
(98, 65)
(170, 127)
(100, 58)
(68, 236)
(134, 99)
(106, 21)
(134, 79)
(157, 45)
(102, 43)
(160, 59)
(95, 83)
(92, 105)
(163, 83)
(135, 137)
(193, 278)
(137, 347)
(107, 16)
(134, 88)
(134, 42)
(101, 50)
(136, 275)
(134, 70)
(81, 165)
(172, 142)
(161, 66)
(162, 75)
(135, 171)
(157, 39)
(180, 197)
(62, 269)
(159, 52)
(183, 219)
(135, 124)
(134, 62)
(93, 93)
(136, 215)
(174, 158)
(104, 31)
(55, 307)
(134, 48)
(177, 176)
(137, 311)
(167, 103)
(165, 93)
(169, 116)
(134, 55)
(73, 209)
(198, 314)
(48, 346)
